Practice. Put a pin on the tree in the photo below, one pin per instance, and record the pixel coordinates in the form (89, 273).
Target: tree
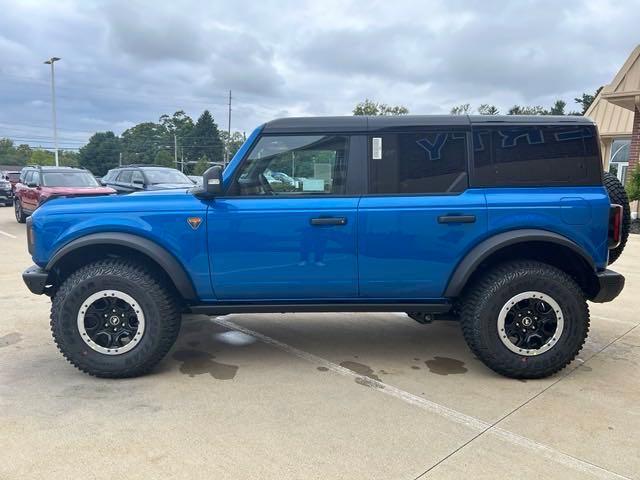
(486, 109)
(165, 158)
(141, 143)
(535, 110)
(369, 107)
(42, 157)
(463, 109)
(101, 153)
(586, 100)
(558, 108)
(201, 166)
(232, 145)
(633, 184)
(204, 140)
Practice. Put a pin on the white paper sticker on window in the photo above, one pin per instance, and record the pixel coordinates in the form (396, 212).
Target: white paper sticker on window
(376, 148)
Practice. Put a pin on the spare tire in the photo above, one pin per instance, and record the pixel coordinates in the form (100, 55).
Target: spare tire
(618, 195)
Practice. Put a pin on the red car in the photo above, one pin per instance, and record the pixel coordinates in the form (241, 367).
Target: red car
(38, 184)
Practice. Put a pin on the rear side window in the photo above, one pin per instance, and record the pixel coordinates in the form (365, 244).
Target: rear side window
(125, 176)
(535, 156)
(418, 162)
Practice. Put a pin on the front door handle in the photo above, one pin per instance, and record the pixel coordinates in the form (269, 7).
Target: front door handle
(456, 219)
(320, 221)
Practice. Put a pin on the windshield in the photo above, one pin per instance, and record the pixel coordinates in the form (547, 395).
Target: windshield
(69, 179)
(166, 176)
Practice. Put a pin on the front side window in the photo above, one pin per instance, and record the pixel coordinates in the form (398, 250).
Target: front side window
(161, 176)
(420, 162)
(68, 179)
(295, 165)
(125, 176)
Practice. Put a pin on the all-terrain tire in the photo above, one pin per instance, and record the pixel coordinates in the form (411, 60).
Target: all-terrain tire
(617, 194)
(20, 216)
(158, 304)
(482, 304)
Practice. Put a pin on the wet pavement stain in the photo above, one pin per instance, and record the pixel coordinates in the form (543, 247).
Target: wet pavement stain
(586, 368)
(195, 362)
(445, 366)
(10, 339)
(415, 367)
(323, 369)
(364, 370)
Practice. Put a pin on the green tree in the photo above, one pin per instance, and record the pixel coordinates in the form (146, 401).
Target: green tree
(463, 109)
(101, 153)
(204, 140)
(535, 110)
(42, 157)
(633, 184)
(165, 158)
(69, 158)
(558, 108)
(369, 107)
(141, 143)
(201, 166)
(233, 144)
(486, 109)
(586, 99)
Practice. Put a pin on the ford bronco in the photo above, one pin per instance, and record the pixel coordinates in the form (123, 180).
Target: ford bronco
(506, 224)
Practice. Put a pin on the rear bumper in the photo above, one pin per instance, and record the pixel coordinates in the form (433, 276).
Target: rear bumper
(35, 278)
(611, 284)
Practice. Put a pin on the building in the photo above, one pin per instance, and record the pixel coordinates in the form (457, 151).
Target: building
(616, 111)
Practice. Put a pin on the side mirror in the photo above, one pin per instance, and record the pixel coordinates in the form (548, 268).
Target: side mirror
(212, 181)
(32, 184)
(138, 184)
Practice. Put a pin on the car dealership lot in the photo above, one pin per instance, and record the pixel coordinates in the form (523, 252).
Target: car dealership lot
(315, 396)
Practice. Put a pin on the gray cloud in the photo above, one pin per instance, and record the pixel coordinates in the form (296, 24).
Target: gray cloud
(129, 61)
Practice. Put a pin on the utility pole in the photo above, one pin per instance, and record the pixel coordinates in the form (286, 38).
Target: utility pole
(120, 160)
(175, 149)
(226, 153)
(51, 61)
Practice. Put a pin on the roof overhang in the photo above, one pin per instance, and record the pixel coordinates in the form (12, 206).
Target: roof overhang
(628, 100)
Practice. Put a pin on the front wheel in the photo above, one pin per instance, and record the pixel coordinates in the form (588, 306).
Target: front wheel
(113, 319)
(20, 216)
(525, 319)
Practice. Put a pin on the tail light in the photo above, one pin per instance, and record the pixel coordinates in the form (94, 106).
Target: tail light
(615, 225)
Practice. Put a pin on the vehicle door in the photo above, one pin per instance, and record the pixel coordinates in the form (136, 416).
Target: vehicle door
(137, 180)
(123, 182)
(285, 229)
(419, 217)
(30, 191)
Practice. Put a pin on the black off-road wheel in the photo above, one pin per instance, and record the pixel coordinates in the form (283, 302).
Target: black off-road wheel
(114, 319)
(525, 319)
(618, 195)
(20, 216)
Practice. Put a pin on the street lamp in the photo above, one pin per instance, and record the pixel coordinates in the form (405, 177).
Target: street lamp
(51, 61)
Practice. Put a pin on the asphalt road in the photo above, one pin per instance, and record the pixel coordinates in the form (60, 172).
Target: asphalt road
(353, 396)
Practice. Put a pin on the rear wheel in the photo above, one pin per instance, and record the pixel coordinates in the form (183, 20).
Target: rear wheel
(618, 195)
(20, 216)
(525, 319)
(112, 318)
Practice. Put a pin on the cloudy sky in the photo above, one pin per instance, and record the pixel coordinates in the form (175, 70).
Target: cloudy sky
(124, 62)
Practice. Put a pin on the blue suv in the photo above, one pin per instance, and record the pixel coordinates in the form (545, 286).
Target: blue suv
(506, 224)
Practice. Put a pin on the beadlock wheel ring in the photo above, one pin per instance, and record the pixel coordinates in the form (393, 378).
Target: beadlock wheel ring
(111, 322)
(543, 323)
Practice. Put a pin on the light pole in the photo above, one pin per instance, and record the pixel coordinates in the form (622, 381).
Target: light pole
(51, 61)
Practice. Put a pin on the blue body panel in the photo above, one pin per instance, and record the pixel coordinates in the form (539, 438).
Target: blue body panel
(579, 213)
(404, 252)
(159, 216)
(266, 248)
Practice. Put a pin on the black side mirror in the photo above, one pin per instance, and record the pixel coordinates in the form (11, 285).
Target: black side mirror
(138, 184)
(211, 182)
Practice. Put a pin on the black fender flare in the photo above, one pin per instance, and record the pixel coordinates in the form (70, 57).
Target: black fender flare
(484, 249)
(158, 254)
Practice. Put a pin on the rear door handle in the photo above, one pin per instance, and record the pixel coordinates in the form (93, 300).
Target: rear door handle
(456, 219)
(319, 221)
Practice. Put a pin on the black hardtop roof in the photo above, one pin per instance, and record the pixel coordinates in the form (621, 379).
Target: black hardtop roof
(357, 123)
(53, 168)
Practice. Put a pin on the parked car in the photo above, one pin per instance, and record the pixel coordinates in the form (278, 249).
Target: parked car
(39, 184)
(6, 192)
(503, 223)
(12, 176)
(133, 178)
(196, 179)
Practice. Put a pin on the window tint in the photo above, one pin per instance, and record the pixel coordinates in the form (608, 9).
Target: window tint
(69, 179)
(535, 155)
(422, 162)
(125, 176)
(28, 176)
(295, 165)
